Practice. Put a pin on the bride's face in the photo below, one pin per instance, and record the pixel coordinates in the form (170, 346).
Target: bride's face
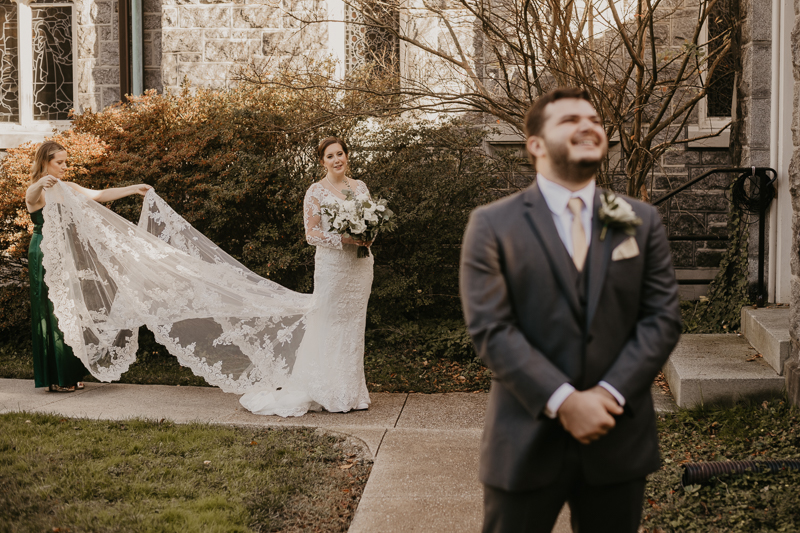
(335, 160)
(57, 166)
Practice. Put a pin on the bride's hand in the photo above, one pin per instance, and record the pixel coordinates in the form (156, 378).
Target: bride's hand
(141, 188)
(350, 240)
(47, 181)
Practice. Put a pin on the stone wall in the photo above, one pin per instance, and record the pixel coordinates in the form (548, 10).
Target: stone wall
(207, 43)
(98, 54)
(754, 99)
(98, 51)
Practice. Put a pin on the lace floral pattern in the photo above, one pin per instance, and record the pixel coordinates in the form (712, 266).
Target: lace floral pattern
(107, 277)
(329, 369)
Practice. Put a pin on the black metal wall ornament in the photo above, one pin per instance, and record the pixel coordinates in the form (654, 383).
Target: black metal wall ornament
(752, 192)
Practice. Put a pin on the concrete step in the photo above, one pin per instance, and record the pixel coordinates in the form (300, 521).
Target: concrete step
(767, 329)
(714, 369)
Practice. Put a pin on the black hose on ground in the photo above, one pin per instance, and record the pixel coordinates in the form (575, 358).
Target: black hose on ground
(698, 473)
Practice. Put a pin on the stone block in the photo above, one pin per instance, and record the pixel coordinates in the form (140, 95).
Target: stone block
(110, 96)
(718, 158)
(147, 54)
(756, 71)
(713, 245)
(297, 6)
(104, 13)
(714, 369)
(314, 37)
(151, 21)
(151, 6)
(758, 123)
(109, 53)
(667, 182)
(767, 329)
(152, 80)
(106, 33)
(217, 33)
(87, 42)
(708, 258)
(758, 25)
(246, 35)
(85, 81)
(214, 76)
(106, 75)
(169, 18)
(685, 224)
(230, 51)
(181, 41)
(684, 22)
(190, 58)
(169, 70)
(96, 13)
(87, 102)
(156, 50)
(678, 156)
(271, 41)
(257, 17)
(682, 253)
(700, 201)
(205, 17)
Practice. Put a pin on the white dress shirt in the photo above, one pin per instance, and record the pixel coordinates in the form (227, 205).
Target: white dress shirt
(556, 197)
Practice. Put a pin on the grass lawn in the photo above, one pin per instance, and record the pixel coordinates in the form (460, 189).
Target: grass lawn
(60, 475)
(731, 504)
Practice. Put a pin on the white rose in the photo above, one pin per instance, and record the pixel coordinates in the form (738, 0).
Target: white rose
(358, 227)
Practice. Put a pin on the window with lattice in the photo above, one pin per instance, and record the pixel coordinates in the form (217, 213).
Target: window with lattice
(370, 37)
(37, 62)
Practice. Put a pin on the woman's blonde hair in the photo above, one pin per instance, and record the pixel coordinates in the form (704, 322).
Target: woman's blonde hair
(44, 155)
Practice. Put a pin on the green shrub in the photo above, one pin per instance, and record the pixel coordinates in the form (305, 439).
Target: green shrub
(236, 164)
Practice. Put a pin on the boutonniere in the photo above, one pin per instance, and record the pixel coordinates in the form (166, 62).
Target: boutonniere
(617, 213)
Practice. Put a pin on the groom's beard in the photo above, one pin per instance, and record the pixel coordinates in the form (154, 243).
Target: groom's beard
(575, 170)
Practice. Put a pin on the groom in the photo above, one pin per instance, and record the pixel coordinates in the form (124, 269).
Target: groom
(574, 308)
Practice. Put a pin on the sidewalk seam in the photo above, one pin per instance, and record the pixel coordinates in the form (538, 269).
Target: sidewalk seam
(378, 449)
(401, 410)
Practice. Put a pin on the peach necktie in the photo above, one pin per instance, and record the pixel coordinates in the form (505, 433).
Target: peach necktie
(579, 247)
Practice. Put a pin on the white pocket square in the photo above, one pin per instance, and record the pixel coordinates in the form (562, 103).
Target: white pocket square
(626, 250)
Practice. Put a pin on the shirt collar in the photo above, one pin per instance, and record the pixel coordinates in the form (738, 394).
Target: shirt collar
(557, 196)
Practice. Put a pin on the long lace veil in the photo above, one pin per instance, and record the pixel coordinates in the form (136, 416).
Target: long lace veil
(107, 277)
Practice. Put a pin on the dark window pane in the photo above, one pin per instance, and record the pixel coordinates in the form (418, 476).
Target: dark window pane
(720, 89)
(52, 62)
(9, 63)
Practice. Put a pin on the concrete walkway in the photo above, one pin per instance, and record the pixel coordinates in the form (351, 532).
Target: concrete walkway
(424, 446)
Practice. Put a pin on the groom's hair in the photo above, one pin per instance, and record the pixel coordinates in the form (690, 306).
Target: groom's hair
(535, 117)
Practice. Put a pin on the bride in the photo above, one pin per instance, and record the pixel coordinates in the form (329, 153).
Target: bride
(329, 370)
(287, 352)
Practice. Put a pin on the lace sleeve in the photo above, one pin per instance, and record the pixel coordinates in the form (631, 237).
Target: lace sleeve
(362, 187)
(315, 235)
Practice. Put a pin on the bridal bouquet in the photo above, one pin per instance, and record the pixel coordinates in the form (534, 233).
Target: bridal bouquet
(357, 216)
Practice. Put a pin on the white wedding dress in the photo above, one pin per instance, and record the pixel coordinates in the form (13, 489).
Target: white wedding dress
(287, 352)
(329, 370)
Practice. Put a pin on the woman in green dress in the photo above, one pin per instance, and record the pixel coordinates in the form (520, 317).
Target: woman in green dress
(54, 364)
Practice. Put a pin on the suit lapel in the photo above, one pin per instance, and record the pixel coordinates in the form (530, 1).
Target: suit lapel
(599, 257)
(541, 221)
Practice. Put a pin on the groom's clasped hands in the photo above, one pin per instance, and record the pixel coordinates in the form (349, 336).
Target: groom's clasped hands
(588, 415)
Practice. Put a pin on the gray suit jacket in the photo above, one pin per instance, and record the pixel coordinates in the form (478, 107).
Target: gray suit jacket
(526, 320)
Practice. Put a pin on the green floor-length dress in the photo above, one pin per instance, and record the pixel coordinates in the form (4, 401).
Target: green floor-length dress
(53, 360)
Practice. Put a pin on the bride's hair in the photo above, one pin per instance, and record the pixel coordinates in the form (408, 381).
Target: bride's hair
(44, 155)
(327, 141)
